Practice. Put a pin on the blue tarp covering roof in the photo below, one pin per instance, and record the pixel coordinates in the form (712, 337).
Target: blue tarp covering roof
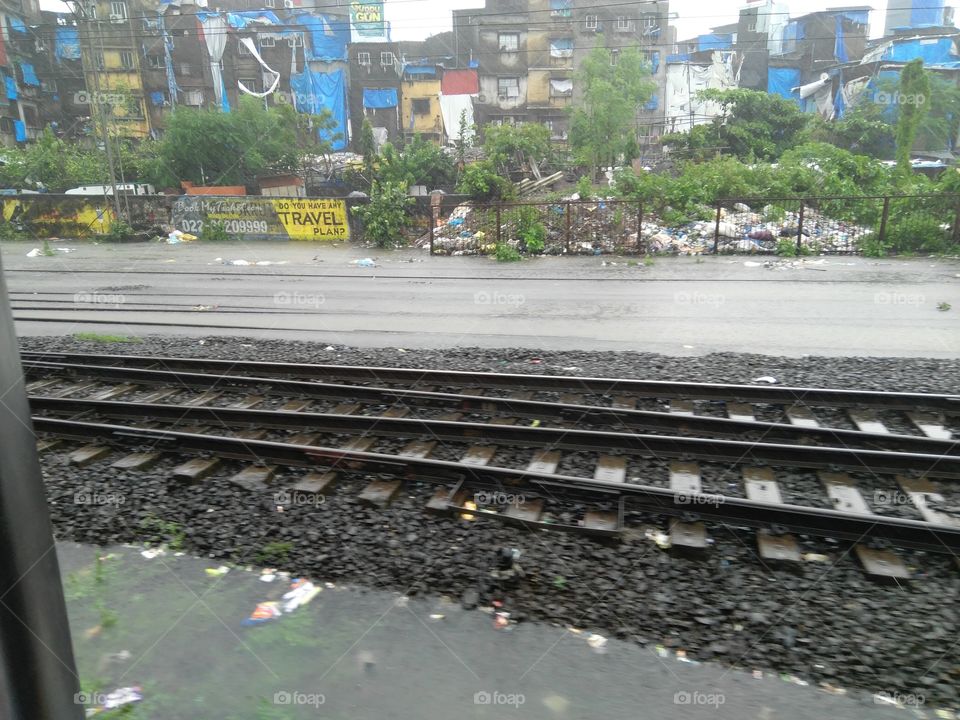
(244, 19)
(840, 46)
(328, 37)
(683, 57)
(861, 17)
(11, 86)
(67, 44)
(782, 81)
(427, 71)
(156, 97)
(316, 91)
(653, 103)
(19, 131)
(935, 52)
(927, 13)
(655, 61)
(16, 24)
(379, 98)
(29, 76)
(714, 42)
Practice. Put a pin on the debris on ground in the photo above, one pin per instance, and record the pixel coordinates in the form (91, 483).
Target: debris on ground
(769, 379)
(364, 262)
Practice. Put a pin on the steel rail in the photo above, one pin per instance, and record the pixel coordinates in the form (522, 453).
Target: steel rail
(629, 419)
(728, 510)
(777, 395)
(708, 449)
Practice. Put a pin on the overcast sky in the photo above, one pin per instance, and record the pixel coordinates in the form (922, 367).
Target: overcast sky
(416, 19)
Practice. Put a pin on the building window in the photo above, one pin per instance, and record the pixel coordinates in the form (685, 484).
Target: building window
(752, 25)
(270, 3)
(649, 23)
(250, 84)
(185, 69)
(126, 59)
(151, 24)
(91, 9)
(623, 23)
(508, 87)
(242, 48)
(363, 58)
(193, 97)
(98, 61)
(267, 41)
(421, 106)
(386, 58)
(295, 41)
(118, 10)
(592, 22)
(155, 62)
(509, 42)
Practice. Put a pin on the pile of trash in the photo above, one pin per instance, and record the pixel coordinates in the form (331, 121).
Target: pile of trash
(742, 230)
(600, 227)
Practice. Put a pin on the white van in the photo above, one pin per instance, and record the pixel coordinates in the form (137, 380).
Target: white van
(101, 190)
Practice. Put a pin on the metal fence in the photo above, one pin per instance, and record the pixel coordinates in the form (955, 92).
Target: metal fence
(871, 225)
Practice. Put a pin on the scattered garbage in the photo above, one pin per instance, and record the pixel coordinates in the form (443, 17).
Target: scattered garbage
(268, 575)
(47, 251)
(364, 262)
(769, 379)
(118, 698)
(263, 613)
(556, 703)
(301, 593)
(176, 237)
(217, 572)
(815, 557)
(152, 553)
(247, 263)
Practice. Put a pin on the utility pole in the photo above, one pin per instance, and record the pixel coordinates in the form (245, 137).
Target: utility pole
(80, 13)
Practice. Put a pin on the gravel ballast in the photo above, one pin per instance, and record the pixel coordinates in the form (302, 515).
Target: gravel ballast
(822, 620)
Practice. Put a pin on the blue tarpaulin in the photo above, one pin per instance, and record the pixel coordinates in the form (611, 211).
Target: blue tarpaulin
(19, 131)
(655, 61)
(316, 91)
(933, 51)
(840, 46)
(156, 97)
(561, 47)
(68, 44)
(16, 24)
(244, 19)
(680, 58)
(11, 85)
(927, 13)
(29, 76)
(714, 42)
(782, 81)
(563, 8)
(379, 98)
(653, 103)
(860, 17)
(839, 106)
(328, 37)
(427, 71)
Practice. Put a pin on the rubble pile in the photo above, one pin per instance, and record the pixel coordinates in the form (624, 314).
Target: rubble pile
(601, 228)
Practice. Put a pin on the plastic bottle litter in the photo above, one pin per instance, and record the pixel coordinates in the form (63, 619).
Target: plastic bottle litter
(301, 592)
(363, 262)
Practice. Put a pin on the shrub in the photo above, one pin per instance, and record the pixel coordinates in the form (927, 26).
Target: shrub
(530, 230)
(507, 253)
(482, 183)
(120, 231)
(214, 231)
(385, 217)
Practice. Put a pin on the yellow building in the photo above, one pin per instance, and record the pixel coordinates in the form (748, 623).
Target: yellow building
(111, 67)
(420, 103)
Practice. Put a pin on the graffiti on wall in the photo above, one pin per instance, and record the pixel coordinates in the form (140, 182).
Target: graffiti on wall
(48, 217)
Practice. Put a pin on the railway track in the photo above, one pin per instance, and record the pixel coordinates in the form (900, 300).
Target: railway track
(580, 440)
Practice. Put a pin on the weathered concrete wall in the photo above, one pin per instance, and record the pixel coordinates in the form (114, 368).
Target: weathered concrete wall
(251, 217)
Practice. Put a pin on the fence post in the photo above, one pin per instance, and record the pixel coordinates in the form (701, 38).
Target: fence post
(800, 229)
(639, 225)
(498, 223)
(883, 219)
(716, 232)
(433, 222)
(568, 236)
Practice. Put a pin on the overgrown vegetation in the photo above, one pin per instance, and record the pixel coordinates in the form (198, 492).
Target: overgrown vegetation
(214, 231)
(530, 231)
(106, 339)
(386, 216)
(482, 182)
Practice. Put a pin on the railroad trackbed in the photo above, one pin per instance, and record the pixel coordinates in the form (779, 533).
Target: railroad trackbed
(584, 455)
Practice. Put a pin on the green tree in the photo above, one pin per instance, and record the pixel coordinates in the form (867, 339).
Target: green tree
(863, 130)
(610, 97)
(512, 147)
(368, 148)
(752, 125)
(465, 135)
(420, 163)
(913, 105)
(386, 217)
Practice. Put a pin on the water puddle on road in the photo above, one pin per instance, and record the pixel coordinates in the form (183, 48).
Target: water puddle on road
(203, 641)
